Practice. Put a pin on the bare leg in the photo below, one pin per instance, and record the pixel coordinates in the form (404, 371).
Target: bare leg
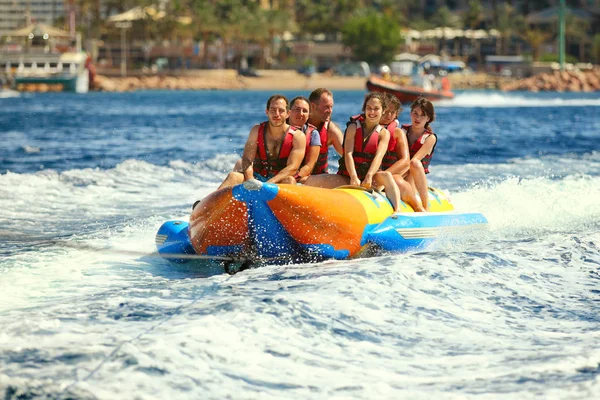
(329, 181)
(392, 192)
(407, 193)
(417, 173)
(232, 179)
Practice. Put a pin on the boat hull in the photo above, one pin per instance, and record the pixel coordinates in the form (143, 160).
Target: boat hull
(294, 223)
(406, 94)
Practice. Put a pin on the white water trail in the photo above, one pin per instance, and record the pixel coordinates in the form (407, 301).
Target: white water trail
(511, 99)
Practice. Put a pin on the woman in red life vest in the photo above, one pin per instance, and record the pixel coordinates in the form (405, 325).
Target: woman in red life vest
(274, 149)
(365, 143)
(421, 144)
(397, 157)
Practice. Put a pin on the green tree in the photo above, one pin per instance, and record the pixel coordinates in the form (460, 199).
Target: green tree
(278, 22)
(420, 24)
(576, 30)
(446, 19)
(324, 16)
(535, 38)
(373, 37)
(472, 19)
(205, 22)
(508, 23)
(234, 27)
(474, 14)
(596, 48)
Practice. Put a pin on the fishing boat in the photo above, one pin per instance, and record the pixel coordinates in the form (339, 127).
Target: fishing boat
(256, 222)
(406, 94)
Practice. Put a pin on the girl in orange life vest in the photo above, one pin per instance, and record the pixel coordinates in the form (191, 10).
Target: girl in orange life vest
(397, 158)
(274, 149)
(421, 144)
(299, 112)
(365, 143)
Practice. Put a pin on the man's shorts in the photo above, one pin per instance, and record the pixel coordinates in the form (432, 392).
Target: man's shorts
(262, 178)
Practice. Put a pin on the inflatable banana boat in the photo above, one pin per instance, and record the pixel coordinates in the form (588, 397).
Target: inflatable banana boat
(263, 222)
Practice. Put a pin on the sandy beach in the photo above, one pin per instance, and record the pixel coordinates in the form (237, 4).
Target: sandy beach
(272, 80)
(226, 79)
(291, 80)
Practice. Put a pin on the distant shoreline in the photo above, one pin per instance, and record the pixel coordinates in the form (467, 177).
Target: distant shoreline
(228, 80)
(280, 80)
(270, 80)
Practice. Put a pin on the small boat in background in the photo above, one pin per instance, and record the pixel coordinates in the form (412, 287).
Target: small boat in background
(406, 94)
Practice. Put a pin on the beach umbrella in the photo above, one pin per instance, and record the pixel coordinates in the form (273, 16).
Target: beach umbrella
(38, 29)
(136, 14)
(411, 33)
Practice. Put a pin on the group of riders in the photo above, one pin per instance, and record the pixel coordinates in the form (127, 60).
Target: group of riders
(376, 151)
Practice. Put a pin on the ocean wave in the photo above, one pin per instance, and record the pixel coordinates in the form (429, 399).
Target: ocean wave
(518, 207)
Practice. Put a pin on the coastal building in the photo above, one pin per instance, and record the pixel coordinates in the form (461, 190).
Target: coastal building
(15, 14)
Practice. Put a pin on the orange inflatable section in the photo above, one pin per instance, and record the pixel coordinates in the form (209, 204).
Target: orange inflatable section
(320, 216)
(218, 220)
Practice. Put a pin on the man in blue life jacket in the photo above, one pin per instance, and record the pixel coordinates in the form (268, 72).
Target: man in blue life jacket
(274, 149)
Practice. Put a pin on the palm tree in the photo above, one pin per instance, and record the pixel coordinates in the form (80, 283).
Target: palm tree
(445, 19)
(596, 47)
(254, 30)
(577, 28)
(535, 38)
(232, 27)
(278, 22)
(508, 24)
(205, 22)
(472, 19)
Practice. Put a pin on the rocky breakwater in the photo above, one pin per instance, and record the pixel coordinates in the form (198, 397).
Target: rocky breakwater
(199, 80)
(560, 81)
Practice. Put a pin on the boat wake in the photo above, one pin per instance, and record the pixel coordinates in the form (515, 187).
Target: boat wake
(511, 99)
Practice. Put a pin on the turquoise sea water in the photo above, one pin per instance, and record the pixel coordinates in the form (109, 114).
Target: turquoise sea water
(87, 312)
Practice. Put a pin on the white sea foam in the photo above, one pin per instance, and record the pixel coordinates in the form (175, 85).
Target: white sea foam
(511, 314)
(512, 99)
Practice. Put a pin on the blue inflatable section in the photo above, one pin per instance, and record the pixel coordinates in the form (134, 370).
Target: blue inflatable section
(411, 231)
(172, 238)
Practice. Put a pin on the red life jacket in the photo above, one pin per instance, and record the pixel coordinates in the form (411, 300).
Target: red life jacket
(308, 129)
(418, 144)
(322, 165)
(364, 151)
(354, 118)
(390, 156)
(265, 164)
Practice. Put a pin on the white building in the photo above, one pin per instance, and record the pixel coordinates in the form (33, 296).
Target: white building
(18, 13)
